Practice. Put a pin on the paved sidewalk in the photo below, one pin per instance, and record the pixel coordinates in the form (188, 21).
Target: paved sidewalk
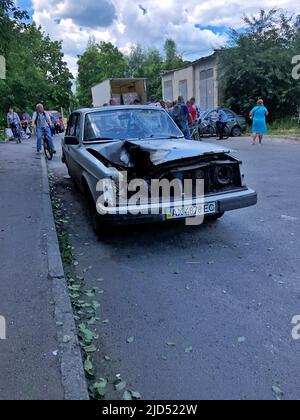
(29, 366)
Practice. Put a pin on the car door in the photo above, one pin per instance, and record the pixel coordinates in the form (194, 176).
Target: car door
(71, 151)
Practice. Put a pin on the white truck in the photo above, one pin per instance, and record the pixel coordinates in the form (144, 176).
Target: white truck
(123, 91)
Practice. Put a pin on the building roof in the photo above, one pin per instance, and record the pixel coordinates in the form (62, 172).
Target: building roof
(193, 63)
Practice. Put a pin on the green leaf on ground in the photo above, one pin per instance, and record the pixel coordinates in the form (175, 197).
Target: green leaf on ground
(99, 388)
(120, 386)
(127, 396)
(88, 366)
(136, 395)
(90, 349)
(189, 349)
(130, 340)
(90, 293)
(96, 305)
(66, 339)
(242, 340)
(277, 391)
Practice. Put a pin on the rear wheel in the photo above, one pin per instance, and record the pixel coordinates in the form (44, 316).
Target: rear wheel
(236, 131)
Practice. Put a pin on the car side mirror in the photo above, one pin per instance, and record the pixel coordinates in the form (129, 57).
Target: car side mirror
(71, 141)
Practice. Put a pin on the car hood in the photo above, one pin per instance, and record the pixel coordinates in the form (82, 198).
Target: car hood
(159, 152)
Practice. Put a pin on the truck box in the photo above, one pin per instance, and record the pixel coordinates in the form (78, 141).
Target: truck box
(124, 91)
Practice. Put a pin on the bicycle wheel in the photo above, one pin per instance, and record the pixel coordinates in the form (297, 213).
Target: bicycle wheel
(196, 135)
(47, 150)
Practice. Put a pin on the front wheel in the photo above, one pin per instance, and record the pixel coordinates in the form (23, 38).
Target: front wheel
(47, 150)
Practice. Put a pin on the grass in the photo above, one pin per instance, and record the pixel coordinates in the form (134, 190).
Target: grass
(282, 128)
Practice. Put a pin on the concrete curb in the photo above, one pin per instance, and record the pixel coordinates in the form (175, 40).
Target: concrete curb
(73, 377)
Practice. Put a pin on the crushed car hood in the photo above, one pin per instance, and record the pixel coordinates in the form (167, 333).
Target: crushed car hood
(158, 152)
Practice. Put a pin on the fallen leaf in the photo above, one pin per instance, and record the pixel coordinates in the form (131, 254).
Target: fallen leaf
(120, 386)
(189, 349)
(66, 339)
(90, 349)
(88, 366)
(130, 340)
(242, 340)
(127, 396)
(277, 391)
(136, 395)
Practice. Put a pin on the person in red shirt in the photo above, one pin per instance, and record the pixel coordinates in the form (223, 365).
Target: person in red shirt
(193, 113)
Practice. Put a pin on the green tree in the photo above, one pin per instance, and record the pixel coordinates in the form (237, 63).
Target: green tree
(98, 63)
(257, 64)
(173, 59)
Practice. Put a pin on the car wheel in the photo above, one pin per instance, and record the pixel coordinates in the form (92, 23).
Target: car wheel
(94, 216)
(214, 217)
(236, 131)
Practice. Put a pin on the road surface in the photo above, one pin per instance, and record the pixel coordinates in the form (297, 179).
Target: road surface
(224, 293)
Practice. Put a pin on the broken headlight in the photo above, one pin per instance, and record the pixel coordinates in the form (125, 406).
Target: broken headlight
(224, 174)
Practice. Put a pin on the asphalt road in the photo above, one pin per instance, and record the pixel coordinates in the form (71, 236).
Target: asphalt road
(228, 289)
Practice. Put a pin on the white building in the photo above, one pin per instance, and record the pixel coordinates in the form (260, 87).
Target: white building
(198, 79)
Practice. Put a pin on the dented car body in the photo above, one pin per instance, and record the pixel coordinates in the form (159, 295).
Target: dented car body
(146, 144)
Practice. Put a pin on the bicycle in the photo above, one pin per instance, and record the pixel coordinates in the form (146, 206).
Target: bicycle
(47, 148)
(194, 131)
(16, 133)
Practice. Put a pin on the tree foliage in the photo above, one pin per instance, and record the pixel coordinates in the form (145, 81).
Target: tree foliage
(257, 64)
(35, 66)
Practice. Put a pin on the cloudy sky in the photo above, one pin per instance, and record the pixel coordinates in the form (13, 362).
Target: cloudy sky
(197, 26)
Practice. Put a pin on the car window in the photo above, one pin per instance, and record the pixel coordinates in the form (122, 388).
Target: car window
(230, 114)
(73, 129)
(213, 116)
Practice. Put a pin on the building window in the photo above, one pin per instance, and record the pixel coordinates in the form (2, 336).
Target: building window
(207, 89)
(168, 91)
(207, 74)
(183, 90)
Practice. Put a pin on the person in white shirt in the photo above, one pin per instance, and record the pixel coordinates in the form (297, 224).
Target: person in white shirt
(42, 121)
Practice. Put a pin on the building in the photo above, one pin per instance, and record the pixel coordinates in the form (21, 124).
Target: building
(198, 79)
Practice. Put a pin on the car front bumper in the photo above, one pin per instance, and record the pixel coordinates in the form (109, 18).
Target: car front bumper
(158, 213)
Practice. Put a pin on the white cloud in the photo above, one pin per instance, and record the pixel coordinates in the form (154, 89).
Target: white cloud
(125, 23)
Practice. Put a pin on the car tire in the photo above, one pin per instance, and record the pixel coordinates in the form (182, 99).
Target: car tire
(94, 216)
(236, 131)
(214, 217)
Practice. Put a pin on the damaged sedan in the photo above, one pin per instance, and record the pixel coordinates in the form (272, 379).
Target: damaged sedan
(134, 166)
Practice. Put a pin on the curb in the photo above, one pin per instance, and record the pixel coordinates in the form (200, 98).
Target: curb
(73, 376)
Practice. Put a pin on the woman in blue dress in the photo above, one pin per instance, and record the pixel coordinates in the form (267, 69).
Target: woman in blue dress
(259, 126)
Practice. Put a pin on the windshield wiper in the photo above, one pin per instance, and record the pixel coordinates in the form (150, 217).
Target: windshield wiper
(102, 138)
(163, 137)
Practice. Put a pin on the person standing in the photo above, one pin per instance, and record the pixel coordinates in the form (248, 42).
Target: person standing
(193, 112)
(259, 125)
(181, 115)
(14, 123)
(42, 122)
(196, 107)
(222, 122)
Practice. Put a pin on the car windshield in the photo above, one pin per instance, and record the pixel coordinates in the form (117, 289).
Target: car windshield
(130, 124)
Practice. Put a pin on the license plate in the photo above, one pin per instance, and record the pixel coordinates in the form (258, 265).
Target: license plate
(191, 211)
